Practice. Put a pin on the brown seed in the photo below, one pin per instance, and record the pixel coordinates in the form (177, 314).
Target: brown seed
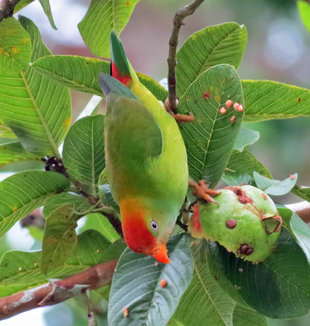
(249, 251)
(231, 224)
(125, 311)
(163, 283)
(206, 95)
(299, 99)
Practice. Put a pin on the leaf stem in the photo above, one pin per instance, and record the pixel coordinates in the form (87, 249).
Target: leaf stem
(7, 8)
(173, 43)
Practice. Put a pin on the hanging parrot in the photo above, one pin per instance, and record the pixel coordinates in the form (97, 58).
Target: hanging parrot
(145, 158)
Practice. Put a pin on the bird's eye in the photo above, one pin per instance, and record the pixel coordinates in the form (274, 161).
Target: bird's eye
(154, 225)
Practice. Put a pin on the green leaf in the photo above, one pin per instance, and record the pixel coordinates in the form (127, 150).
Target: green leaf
(278, 287)
(47, 9)
(153, 86)
(265, 100)
(100, 223)
(210, 138)
(247, 316)
(6, 132)
(12, 151)
(101, 19)
(245, 163)
(15, 46)
(237, 179)
(21, 4)
(136, 286)
(80, 73)
(275, 187)
(23, 192)
(302, 192)
(304, 11)
(60, 239)
(36, 108)
(83, 151)
(20, 270)
(211, 46)
(245, 138)
(204, 302)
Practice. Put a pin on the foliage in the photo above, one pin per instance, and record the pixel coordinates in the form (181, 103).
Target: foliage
(205, 283)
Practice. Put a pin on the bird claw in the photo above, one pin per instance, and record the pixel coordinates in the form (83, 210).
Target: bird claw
(202, 191)
(179, 118)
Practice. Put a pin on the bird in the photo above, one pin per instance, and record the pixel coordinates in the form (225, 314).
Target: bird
(146, 158)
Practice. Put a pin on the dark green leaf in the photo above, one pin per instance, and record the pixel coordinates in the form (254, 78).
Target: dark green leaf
(279, 287)
(304, 11)
(36, 108)
(211, 46)
(47, 9)
(245, 163)
(15, 46)
(23, 192)
(245, 138)
(60, 239)
(136, 286)
(237, 179)
(210, 138)
(244, 316)
(20, 270)
(204, 302)
(275, 187)
(83, 152)
(302, 192)
(265, 100)
(101, 19)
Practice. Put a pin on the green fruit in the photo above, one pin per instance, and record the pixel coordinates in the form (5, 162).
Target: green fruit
(245, 221)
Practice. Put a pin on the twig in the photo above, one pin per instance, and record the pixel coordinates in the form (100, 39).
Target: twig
(7, 8)
(57, 291)
(302, 209)
(173, 43)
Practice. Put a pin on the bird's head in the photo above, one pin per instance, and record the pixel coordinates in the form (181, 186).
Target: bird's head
(145, 230)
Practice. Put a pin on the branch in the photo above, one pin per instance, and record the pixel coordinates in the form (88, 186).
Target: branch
(7, 8)
(57, 291)
(173, 43)
(302, 209)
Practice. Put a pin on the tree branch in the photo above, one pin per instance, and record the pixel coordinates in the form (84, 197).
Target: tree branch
(302, 209)
(57, 291)
(173, 43)
(7, 8)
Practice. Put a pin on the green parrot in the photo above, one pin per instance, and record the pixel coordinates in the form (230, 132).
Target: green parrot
(145, 158)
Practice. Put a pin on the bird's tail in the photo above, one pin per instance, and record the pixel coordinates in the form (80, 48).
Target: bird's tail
(121, 68)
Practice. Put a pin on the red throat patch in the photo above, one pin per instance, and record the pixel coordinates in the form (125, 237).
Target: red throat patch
(115, 73)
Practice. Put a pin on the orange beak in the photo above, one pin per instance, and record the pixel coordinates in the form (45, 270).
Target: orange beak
(160, 253)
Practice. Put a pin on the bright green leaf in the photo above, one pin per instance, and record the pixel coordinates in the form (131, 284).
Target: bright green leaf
(204, 302)
(153, 86)
(60, 239)
(275, 187)
(136, 285)
(304, 11)
(80, 73)
(244, 316)
(21, 4)
(23, 192)
(15, 46)
(101, 19)
(211, 46)
(12, 151)
(245, 138)
(210, 138)
(278, 287)
(47, 9)
(265, 100)
(245, 163)
(20, 270)
(101, 224)
(36, 108)
(83, 151)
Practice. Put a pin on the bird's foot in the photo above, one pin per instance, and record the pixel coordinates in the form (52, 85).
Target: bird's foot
(202, 191)
(179, 118)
